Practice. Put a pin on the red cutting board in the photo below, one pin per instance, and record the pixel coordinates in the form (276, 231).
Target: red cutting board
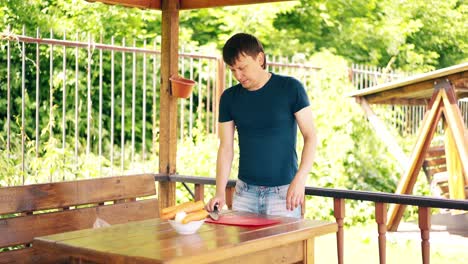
(239, 220)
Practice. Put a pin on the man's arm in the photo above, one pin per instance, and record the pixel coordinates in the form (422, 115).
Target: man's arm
(223, 163)
(305, 121)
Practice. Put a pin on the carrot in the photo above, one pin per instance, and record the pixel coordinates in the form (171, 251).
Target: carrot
(187, 207)
(195, 216)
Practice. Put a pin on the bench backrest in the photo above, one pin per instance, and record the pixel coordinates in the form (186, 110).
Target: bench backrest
(43, 209)
(434, 166)
(434, 161)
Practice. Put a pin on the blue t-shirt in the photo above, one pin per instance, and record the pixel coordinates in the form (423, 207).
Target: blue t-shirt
(267, 128)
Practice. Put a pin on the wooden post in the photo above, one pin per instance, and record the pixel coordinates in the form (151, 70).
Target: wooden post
(309, 254)
(339, 213)
(424, 214)
(381, 219)
(199, 192)
(455, 122)
(168, 105)
(456, 182)
(229, 195)
(303, 207)
(220, 86)
(425, 134)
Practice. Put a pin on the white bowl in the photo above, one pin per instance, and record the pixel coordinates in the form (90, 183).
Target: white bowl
(186, 229)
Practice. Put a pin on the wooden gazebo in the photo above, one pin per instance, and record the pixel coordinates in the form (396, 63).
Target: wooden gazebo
(439, 91)
(169, 66)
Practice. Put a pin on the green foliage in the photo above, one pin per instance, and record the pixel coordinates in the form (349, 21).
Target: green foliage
(81, 16)
(349, 156)
(411, 35)
(415, 35)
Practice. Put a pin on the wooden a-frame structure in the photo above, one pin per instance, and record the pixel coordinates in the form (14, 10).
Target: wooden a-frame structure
(169, 66)
(440, 91)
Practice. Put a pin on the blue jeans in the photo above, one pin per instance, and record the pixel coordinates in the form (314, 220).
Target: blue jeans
(263, 200)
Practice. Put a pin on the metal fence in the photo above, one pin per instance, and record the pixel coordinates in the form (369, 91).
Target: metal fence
(405, 119)
(97, 104)
(90, 107)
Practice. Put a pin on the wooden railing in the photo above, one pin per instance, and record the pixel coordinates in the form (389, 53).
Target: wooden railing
(339, 196)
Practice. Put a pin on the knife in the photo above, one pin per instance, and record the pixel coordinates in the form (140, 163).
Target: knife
(215, 213)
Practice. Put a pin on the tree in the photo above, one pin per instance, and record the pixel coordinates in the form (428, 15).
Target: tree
(415, 35)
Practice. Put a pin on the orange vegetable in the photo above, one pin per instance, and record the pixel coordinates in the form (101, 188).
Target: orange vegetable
(187, 207)
(175, 207)
(195, 216)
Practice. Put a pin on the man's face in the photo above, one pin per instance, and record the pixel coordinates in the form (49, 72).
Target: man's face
(248, 70)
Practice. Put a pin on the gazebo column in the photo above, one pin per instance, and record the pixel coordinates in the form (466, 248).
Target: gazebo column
(168, 104)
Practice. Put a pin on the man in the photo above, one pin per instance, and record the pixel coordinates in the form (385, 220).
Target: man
(266, 109)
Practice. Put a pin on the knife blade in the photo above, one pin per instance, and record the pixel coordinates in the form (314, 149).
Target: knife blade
(215, 213)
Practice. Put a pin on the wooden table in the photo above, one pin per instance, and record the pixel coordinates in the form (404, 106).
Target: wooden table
(154, 241)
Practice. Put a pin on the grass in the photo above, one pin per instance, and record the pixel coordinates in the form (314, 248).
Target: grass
(361, 246)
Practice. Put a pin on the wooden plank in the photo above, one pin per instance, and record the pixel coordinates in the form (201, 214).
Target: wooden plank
(405, 101)
(433, 171)
(35, 197)
(438, 162)
(145, 4)
(290, 253)
(456, 182)
(168, 103)
(17, 256)
(21, 230)
(133, 229)
(435, 151)
(30, 256)
(197, 4)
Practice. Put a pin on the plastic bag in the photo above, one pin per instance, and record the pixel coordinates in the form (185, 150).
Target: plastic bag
(100, 223)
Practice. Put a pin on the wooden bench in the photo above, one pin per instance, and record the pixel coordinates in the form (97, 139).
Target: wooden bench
(43, 209)
(435, 168)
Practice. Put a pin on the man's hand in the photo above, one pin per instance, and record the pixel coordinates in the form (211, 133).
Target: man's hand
(218, 199)
(295, 195)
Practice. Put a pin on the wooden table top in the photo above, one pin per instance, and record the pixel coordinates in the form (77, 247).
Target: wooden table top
(154, 240)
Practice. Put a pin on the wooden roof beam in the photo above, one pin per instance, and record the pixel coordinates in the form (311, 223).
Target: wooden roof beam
(402, 101)
(418, 90)
(184, 4)
(192, 4)
(144, 4)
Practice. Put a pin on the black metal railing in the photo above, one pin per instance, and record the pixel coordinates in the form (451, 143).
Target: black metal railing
(339, 196)
(379, 197)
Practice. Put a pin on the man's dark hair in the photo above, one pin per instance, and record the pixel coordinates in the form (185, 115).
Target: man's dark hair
(242, 43)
